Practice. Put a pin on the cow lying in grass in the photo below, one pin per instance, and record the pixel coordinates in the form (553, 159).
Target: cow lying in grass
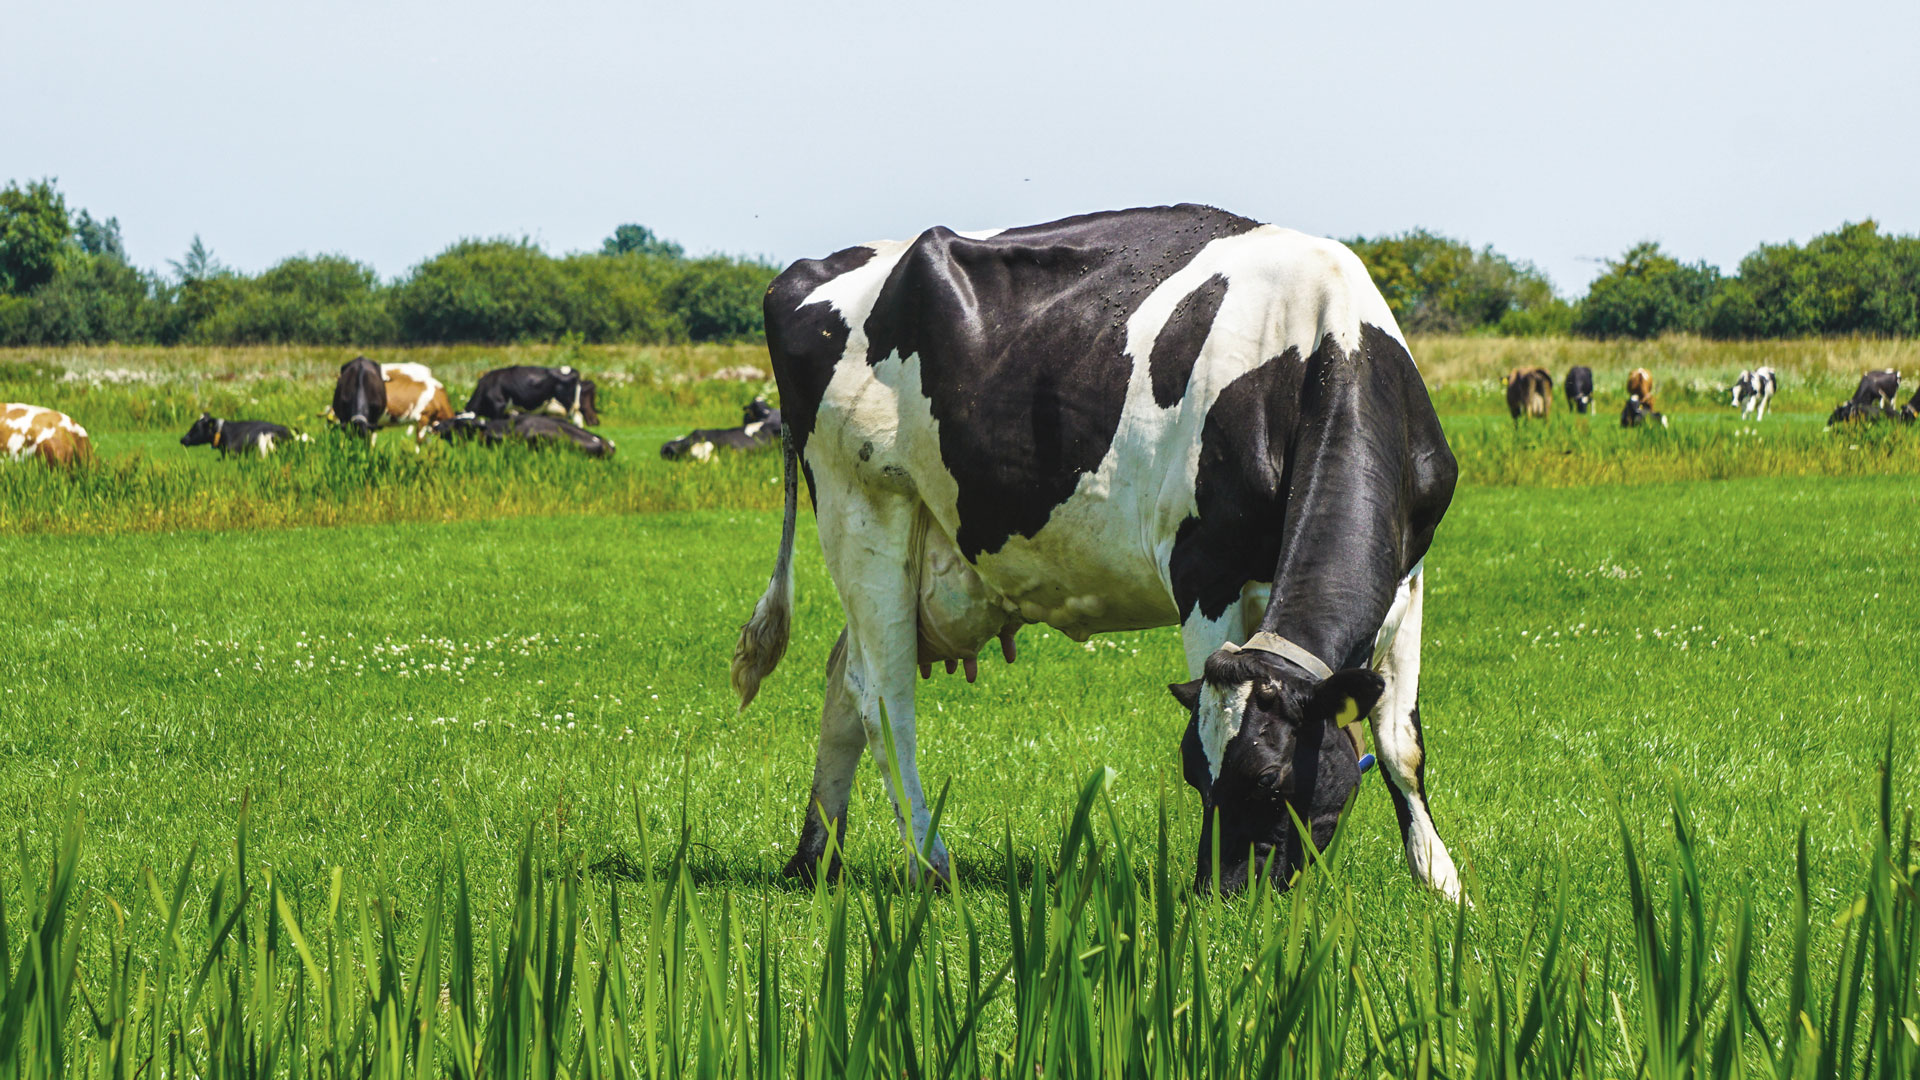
(238, 436)
(33, 431)
(759, 429)
(531, 428)
(1638, 412)
(1871, 400)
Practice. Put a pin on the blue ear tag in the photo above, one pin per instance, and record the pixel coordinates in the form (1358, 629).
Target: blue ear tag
(1366, 762)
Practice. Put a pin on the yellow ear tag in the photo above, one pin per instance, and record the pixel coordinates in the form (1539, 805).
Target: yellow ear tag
(1348, 713)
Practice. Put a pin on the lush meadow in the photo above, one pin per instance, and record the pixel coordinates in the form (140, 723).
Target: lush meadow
(510, 646)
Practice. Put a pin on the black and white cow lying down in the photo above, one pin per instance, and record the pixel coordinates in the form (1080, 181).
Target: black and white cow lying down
(759, 428)
(533, 429)
(238, 436)
(560, 391)
(1111, 422)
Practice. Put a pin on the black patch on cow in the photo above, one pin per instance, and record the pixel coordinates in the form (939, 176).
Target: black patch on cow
(1020, 339)
(806, 342)
(1180, 341)
(1314, 475)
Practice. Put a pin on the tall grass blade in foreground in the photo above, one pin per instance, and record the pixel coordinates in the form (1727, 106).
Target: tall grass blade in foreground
(1112, 968)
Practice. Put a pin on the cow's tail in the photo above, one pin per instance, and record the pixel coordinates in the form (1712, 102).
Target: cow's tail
(763, 640)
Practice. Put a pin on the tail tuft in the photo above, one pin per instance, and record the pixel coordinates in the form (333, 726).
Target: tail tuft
(763, 640)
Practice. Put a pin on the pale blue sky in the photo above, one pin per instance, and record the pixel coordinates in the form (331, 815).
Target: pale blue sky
(1557, 133)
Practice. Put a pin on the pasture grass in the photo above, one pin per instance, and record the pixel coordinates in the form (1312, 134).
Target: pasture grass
(136, 402)
(392, 700)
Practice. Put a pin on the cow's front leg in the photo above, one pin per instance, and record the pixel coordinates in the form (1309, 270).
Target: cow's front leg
(1403, 757)
(838, 755)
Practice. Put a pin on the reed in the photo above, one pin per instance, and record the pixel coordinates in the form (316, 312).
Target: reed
(1112, 967)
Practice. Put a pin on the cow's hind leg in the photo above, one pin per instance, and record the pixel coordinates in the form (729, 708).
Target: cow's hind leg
(867, 537)
(841, 740)
(1403, 757)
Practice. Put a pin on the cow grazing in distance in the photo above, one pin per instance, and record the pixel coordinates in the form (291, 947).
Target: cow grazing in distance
(1638, 412)
(414, 397)
(1529, 390)
(1165, 416)
(1640, 384)
(535, 430)
(1871, 400)
(1579, 389)
(238, 436)
(1911, 410)
(360, 397)
(759, 428)
(560, 391)
(1754, 389)
(34, 431)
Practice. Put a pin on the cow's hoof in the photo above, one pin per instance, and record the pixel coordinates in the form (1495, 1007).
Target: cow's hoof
(805, 866)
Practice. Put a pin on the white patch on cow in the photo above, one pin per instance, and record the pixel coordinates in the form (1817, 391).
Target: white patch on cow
(1396, 614)
(701, 451)
(15, 441)
(1221, 711)
(753, 429)
(265, 445)
(980, 234)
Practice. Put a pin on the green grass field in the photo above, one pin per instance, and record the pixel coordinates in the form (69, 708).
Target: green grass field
(1615, 617)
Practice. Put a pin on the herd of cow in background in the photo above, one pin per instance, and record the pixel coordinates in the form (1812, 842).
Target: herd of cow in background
(547, 406)
(1530, 394)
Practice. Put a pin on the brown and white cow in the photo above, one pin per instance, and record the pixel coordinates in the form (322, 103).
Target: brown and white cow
(32, 431)
(1640, 385)
(415, 398)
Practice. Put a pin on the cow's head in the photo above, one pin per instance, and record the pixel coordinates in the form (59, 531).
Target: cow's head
(757, 411)
(1266, 742)
(1742, 388)
(588, 411)
(202, 431)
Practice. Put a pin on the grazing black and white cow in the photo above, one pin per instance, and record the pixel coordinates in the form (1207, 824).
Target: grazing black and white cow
(360, 396)
(560, 391)
(1637, 412)
(1579, 388)
(1871, 400)
(1529, 391)
(1911, 410)
(759, 428)
(1754, 389)
(533, 429)
(238, 436)
(1110, 422)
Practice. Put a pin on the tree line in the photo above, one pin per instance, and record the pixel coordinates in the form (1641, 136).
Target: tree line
(65, 279)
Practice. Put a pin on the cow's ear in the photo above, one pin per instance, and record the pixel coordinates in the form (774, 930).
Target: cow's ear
(1193, 762)
(1187, 694)
(1346, 696)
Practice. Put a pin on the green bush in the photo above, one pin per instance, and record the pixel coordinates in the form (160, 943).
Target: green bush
(1439, 285)
(1644, 293)
(719, 299)
(483, 291)
(1850, 281)
(322, 300)
(91, 300)
(33, 231)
